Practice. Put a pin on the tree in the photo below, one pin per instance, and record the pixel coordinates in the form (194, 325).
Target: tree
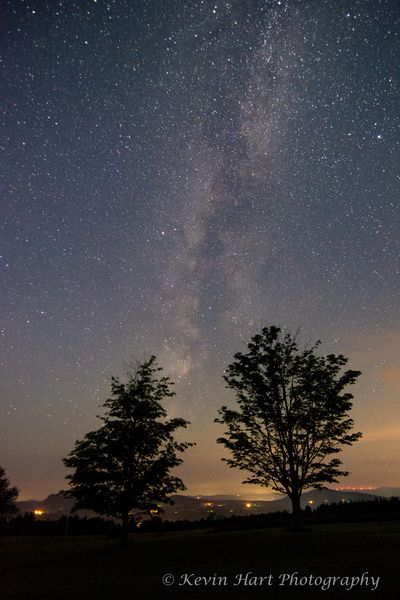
(292, 418)
(8, 495)
(126, 464)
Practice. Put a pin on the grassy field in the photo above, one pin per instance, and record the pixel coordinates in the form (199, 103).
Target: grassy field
(97, 568)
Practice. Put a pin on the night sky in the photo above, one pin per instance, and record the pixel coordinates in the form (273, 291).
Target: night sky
(175, 175)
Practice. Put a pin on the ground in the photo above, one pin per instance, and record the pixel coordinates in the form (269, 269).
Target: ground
(100, 569)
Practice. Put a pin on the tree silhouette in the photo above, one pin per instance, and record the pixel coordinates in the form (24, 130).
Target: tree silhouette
(126, 464)
(293, 415)
(8, 495)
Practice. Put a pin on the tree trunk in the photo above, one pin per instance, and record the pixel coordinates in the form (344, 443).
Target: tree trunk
(125, 527)
(296, 512)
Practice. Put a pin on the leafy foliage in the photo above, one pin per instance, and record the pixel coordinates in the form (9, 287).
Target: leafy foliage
(8, 495)
(126, 464)
(293, 416)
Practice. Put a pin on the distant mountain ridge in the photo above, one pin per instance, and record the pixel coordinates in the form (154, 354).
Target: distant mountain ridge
(196, 507)
(385, 492)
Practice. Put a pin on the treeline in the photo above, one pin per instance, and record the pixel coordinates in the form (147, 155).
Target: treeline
(380, 509)
(28, 524)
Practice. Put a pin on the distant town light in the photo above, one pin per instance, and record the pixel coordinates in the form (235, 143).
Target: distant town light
(38, 512)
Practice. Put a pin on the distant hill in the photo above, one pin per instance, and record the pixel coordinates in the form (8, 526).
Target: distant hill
(196, 507)
(53, 507)
(385, 492)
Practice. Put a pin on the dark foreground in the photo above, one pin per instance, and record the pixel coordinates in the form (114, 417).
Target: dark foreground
(97, 568)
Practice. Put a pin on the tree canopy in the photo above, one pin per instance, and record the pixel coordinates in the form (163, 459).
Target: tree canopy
(293, 414)
(8, 495)
(126, 464)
